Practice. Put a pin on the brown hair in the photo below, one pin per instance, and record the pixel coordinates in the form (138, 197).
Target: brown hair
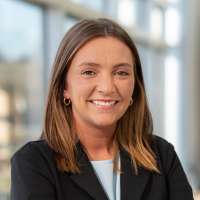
(134, 130)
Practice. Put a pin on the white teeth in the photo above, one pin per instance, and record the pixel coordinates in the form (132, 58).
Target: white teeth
(104, 103)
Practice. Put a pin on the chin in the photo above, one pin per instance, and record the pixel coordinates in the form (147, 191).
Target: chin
(105, 124)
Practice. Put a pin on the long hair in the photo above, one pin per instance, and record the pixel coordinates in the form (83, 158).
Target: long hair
(134, 129)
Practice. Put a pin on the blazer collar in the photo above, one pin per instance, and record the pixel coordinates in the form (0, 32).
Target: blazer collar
(86, 179)
(132, 185)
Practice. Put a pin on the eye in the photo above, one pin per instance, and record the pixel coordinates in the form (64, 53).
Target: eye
(88, 73)
(122, 73)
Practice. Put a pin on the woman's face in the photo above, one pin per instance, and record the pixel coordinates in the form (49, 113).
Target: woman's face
(100, 82)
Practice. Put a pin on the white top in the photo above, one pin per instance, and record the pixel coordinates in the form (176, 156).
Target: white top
(109, 179)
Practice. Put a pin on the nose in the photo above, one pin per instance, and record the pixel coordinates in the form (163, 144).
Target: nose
(106, 84)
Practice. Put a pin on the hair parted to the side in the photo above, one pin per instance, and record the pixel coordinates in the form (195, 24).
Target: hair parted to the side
(134, 130)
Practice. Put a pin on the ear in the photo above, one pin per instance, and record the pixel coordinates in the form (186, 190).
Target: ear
(66, 94)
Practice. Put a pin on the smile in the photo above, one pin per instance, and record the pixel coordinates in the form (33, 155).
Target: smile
(104, 103)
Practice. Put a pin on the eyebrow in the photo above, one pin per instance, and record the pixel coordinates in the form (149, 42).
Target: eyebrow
(89, 64)
(92, 64)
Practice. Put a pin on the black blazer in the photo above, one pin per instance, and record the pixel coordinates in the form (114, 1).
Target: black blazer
(34, 176)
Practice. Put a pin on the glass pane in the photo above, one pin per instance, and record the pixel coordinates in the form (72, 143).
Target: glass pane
(126, 12)
(21, 81)
(143, 15)
(173, 1)
(172, 26)
(96, 5)
(172, 100)
(69, 22)
(156, 23)
(167, 1)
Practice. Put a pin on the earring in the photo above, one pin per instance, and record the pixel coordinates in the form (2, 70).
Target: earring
(66, 101)
(131, 102)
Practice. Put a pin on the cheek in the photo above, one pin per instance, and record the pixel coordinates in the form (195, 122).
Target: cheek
(81, 89)
(73, 84)
(127, 89)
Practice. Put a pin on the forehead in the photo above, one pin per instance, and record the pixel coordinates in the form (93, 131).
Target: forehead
(104, 48)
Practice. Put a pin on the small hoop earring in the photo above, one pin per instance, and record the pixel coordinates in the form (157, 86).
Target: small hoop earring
(66, 101)
(131, 102)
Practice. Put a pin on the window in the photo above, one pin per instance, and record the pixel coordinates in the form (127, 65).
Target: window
(69, 22)
(21, 80)
(96, 5)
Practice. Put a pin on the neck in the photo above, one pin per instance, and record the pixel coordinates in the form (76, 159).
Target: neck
(98, 143)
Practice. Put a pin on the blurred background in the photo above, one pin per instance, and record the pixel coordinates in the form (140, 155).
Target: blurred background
(167, 34)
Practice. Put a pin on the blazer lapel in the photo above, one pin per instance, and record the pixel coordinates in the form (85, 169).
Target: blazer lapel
(87, 180)
(132, 185)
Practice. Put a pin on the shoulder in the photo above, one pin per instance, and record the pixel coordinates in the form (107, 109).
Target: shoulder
(164, 152)
(39, 147)
(171, 167)
(31, 165)
(161, 144)
(35, 153)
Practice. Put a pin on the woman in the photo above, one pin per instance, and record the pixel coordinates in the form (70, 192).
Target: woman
(97, 140)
